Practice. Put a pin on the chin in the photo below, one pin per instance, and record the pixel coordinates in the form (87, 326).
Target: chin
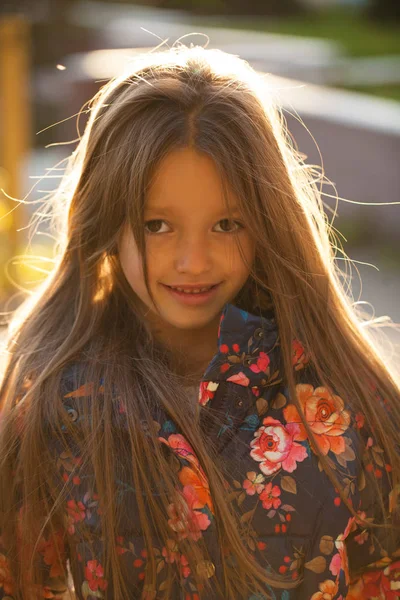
(191, 320)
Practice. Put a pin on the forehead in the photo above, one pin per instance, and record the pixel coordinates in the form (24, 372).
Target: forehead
(187, 180)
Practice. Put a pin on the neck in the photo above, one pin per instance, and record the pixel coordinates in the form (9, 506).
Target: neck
(192, 350)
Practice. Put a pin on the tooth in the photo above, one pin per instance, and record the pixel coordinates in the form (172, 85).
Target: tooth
(194, 291)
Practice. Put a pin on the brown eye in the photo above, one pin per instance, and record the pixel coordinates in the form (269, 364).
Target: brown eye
(154, 226)
(229, 226)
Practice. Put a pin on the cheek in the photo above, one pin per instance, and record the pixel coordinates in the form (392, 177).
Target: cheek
(242, 254)
(131, 264)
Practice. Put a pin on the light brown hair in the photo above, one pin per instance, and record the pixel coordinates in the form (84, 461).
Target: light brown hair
(215, 103)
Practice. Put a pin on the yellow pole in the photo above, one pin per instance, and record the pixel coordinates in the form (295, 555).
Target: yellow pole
(15, 129)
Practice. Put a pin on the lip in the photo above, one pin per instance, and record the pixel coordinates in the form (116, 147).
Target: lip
(191, 286)
(193, 299)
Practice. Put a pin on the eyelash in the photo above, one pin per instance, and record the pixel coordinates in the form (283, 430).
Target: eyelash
(239, 226)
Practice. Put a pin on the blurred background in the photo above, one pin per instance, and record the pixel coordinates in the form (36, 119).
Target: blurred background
(334, 65)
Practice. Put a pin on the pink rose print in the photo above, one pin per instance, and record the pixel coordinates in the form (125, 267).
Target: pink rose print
(274, 447)
(262, 363)
(240, 379)
(335, 564)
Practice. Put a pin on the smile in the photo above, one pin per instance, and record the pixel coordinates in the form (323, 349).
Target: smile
(192, 295)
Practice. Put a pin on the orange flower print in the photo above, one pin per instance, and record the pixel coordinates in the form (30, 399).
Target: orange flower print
(6, 582)
(94, 574)
(48, 548)
(184, 519)
(325, 414)
(327, 590)
(300, 357)
(197, 480)
(383, 584)
(181, 447)
(270, 496)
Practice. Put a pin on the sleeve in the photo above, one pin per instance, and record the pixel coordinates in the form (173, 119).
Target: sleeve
(324, 570)
(345, 558)
(53, 585)
(373, 554)
(50, 553)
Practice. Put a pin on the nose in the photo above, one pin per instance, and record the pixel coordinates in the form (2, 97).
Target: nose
(193, 255)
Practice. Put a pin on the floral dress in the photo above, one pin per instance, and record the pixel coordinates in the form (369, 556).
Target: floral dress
(293, 519)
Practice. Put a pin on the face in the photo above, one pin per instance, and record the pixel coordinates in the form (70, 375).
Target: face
(191, 243)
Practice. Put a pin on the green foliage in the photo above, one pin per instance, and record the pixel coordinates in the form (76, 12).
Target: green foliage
(359, 35)
(233, 7)
(384, 10)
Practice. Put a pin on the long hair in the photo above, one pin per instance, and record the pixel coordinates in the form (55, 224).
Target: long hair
(87, 314)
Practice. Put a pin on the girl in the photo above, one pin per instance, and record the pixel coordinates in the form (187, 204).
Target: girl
(191, 407)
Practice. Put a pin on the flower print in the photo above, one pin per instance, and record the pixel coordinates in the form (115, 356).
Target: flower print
(342, 562)
(336, 564)
(270, 496)
(383, 584)
(325, 414)
(185, 520)
(51, 549)
(170, 552)
(360, 420)
(181, 448)
(94, 574)
(274, 446)
(197, 480)
(120, 545)
(262, 363)
(240, 379)
(327, 590)
(254, 483)
(219, 325)
(300, 357)
(6, 582)
(184, 566)
(76, 513)
(86, 389)
(139, 563)
(207, 391)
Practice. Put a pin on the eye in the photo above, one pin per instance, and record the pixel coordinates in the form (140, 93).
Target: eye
(229, 226)
(154, 226)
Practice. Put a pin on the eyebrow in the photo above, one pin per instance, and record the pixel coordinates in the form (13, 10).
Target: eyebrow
(165, 211)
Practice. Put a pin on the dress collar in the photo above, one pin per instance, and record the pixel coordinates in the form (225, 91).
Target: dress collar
(247, 348)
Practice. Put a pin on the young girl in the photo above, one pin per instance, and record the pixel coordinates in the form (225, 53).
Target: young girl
(191, 408)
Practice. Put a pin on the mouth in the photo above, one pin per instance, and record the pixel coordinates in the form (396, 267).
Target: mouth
(191, 294)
